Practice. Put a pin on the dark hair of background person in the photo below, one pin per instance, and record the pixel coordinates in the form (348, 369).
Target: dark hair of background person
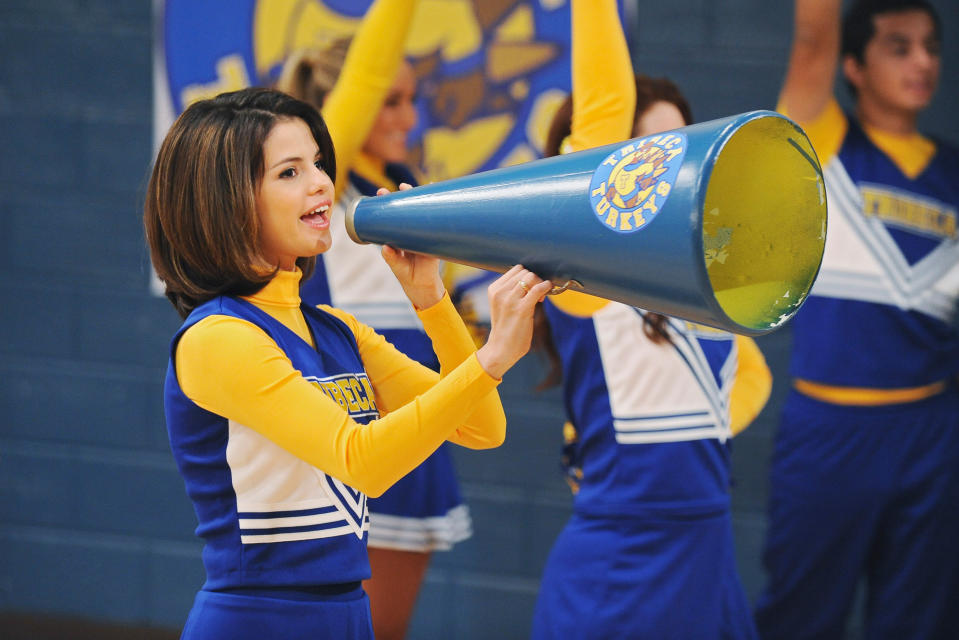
(648, 92)
(858, 26)
(200, 211)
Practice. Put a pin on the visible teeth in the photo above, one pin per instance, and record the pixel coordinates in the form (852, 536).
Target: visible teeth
(322, 209)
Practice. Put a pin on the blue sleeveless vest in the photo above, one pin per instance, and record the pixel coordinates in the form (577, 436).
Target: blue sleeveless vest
(267, 517)
(883, 310)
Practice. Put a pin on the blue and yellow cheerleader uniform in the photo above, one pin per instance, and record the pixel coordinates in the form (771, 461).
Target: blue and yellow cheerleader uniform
(282, 419)
(648, 552)
(865, 476)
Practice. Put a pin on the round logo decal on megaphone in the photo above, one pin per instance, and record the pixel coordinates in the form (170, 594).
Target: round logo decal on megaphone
(632, 184)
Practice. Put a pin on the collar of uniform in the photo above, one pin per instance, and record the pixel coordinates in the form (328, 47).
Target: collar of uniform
(911, 153)
(282, 291)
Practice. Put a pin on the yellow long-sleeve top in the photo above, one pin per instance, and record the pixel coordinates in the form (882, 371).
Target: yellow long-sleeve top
(604, 92)
(369, 71)
(604, 103)
(232, 368)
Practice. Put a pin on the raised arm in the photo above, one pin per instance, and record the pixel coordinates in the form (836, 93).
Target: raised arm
(813, 60)
(604, 96)
(368, 73)
(604, 92)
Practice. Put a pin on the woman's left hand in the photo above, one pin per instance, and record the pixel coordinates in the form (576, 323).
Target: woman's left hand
(419, 275)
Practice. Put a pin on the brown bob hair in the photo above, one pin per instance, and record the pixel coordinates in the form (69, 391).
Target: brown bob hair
(200, 211)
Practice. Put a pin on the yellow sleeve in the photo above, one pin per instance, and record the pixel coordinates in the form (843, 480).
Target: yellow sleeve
(826, 131)
(577, 303)
(368, 73)
(751, 387)
(397, 379)
(604, 100)
(232, 368)
(604, 91)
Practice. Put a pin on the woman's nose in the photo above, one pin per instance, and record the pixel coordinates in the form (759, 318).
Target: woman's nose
(321, 181)
(409, 115)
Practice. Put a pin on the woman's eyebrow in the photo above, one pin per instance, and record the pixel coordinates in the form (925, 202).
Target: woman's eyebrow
(285, 160)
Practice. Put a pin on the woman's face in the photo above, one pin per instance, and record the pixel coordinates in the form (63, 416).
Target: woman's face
(294, 197)
(397, 116)
(660, 116)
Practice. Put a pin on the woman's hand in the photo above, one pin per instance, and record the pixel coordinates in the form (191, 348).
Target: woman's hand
(419, 275)
(512, 299)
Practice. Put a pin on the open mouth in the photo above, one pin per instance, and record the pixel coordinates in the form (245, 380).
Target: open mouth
(318, 217)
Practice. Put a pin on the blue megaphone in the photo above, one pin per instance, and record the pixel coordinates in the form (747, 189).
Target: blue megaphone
(722, 223)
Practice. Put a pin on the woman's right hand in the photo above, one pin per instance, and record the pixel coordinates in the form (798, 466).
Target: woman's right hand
(512, 300)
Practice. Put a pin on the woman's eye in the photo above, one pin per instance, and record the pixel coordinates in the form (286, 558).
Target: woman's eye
(319, 165)
(288, 173)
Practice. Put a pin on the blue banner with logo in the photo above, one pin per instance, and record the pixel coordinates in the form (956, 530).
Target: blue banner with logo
(490, 72)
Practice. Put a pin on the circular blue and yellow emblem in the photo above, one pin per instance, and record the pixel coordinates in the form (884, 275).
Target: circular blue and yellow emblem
(630, 187)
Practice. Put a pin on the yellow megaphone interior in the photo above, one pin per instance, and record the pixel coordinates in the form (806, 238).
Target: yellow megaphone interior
(764, 222)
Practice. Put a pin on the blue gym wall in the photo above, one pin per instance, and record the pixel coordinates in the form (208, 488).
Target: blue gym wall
(94, 522)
